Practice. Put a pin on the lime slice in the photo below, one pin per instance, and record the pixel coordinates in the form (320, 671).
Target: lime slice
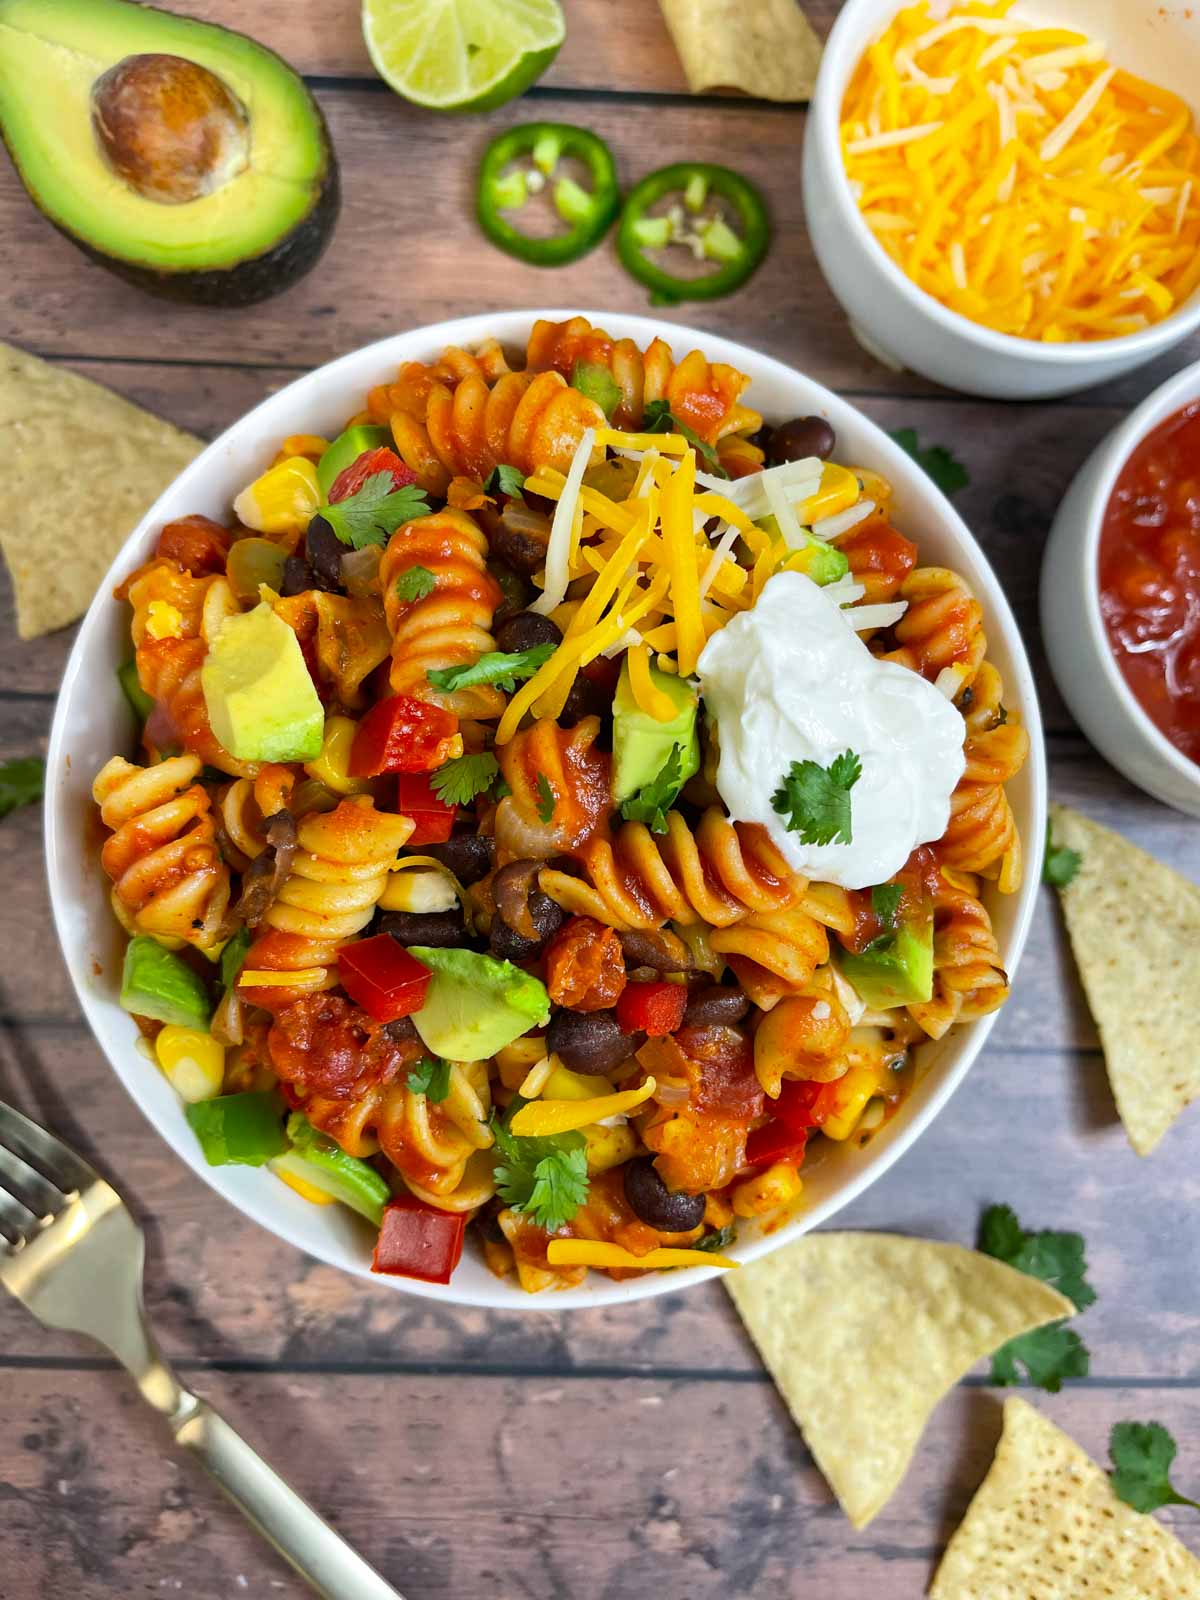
(462, 55)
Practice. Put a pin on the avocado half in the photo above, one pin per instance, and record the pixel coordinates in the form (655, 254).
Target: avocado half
(186, 158)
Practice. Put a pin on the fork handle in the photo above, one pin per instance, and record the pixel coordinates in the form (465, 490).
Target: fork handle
(301, 1536)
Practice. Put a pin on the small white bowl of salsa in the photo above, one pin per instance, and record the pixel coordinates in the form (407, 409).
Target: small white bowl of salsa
(1120, 595)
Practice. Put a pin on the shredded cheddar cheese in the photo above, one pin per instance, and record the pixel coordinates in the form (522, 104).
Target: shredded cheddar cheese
(1022, 179)
(302, 978)
(543, 1117)
(598, 1253)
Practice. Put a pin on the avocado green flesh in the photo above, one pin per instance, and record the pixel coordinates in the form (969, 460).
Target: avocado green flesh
(642, 745)
(900, 974)
(823, 563)
(157, 984)
(51, 54)
(261, 701)
(476, 1004)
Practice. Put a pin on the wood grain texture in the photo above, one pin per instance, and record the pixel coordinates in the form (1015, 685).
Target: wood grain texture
(598, 1456)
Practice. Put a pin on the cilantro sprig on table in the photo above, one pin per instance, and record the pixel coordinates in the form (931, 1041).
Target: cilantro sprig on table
(544, 1178)
(414, 584)
(1142, 1454)
(459, 781)
(22, 782)
(815, 800)
(503, 669)
(1054, 1352)
(659, 418)
(652, 802)
(942, 465)
(373, 514)
(1060, 864)
(430, 1077)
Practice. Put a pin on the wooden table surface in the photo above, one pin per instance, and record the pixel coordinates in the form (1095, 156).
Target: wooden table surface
(596, 1456)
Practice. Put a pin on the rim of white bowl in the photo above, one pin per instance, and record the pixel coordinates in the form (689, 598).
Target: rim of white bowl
(1158, 407)
(511, 327)
(843, 49)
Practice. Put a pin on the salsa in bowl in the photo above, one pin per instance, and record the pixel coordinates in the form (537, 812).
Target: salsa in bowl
(559, 802)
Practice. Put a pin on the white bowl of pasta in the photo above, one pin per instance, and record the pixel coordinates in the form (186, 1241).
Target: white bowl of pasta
(210, 822)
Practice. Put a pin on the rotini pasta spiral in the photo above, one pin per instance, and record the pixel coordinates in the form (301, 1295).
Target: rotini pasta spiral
(968, 980)
(449, 627)
(942, 628)
(982, 835)
(345, 635)
(718, 875)
(704, 395)
(577, 773)
(773, 953)
(168, 877)
(186, 607)
(245, 805)
(169, 670)
(338, 873)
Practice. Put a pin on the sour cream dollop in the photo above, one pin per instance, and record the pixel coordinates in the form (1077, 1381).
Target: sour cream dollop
(792, 681)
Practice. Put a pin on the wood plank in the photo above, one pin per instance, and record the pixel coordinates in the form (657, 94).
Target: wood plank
(450, 1486)
(407, 253)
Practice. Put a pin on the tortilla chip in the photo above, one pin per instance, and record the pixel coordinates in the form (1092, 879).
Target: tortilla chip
(1135, 930)
(82, 466)
(767, 48)
(865, 1332)
(1046, 1525)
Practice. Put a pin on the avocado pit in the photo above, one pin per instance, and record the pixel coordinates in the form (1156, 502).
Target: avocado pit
(173, 130)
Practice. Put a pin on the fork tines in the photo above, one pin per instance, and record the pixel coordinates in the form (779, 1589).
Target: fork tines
(38, 1177)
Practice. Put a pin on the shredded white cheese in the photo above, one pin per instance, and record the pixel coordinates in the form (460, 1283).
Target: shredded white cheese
(885, 615)
(842, 521)
(558, 550)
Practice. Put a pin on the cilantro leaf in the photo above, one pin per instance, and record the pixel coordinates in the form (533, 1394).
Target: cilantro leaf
(1054, 1352)
(459, 781)
(543, 1177)
(1059, 864)
(21, 783)
(430, 1077)
(885, 902)
(505, 480)
(659, 419)
(504, 669)
(233, 956)
(1142, 1453)
(717, 1243)
(942, 465)
(545, 805)
(373, 514)
(598, 384)
(816, 799)
(415, 584)
(652, 802)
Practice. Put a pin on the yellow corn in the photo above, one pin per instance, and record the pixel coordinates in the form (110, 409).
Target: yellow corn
(563, 1084)
(561, 1116)
(420, 889)
(598, 1253)
(608, 1147)
(263, 978)
(775, 1186)
(193, 1062)
(838, 492)
(283, 500)
(287, 1173)
(332, 766)
(163, 620)
(854, 1089)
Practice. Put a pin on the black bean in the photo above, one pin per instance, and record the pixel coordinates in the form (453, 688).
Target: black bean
(587, 698)
(443, 929)
(802, 436)
(468, 855)
(669, 1210)
(323, 549)
(526, 630)
(514, 590)
(656, 948)
(508, 945)
(589, 1041)
(522, 548)
(403, 1028)
(298, 576)
(715, 1004)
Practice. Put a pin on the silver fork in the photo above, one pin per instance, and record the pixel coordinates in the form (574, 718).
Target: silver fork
(73, 1255)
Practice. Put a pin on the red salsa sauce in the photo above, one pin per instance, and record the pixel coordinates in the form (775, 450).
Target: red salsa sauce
(1150, 577)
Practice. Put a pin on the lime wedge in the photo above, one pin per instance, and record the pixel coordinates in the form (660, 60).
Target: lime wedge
(462, 55)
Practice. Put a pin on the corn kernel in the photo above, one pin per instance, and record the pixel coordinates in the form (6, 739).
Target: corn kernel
(775, 1186)
(163, 620)
(193, 1062)
(853, 1090)
(838, 492)
(296, 1181)
(283, 500)
(303, 444)
(332, 766)
(608, 1147)
(420, 889)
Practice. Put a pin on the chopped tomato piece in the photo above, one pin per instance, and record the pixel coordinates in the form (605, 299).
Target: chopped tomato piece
(654, 1009)
(776, 1142)
(402, 734)
(383, 978)
(801, 1103)
(417, 798)
(585, 966)
(197, 543)
(351, 479)
(417, 1241)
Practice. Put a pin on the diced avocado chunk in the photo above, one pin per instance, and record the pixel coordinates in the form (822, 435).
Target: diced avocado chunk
(642, 744)
(345, 451)
(262, 703)
(823, 563)
(155, 983)
(318, 1160)
(897, 970)
(598, 384)
(239, 1130)
(141, 703)
(475, 1004)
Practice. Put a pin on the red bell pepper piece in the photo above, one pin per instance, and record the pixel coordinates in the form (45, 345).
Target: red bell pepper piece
(417, 798)
(351, 479)
(418, 1241)
(654, 1009)
(776, 1142)
(402, 734)
(380, 976)
(802, 1104)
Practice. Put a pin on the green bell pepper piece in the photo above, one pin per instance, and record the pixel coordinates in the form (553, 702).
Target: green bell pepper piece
(239, 1130)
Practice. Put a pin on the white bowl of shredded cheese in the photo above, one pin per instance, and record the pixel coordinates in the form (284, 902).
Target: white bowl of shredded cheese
(92, 722)
(894, 318)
